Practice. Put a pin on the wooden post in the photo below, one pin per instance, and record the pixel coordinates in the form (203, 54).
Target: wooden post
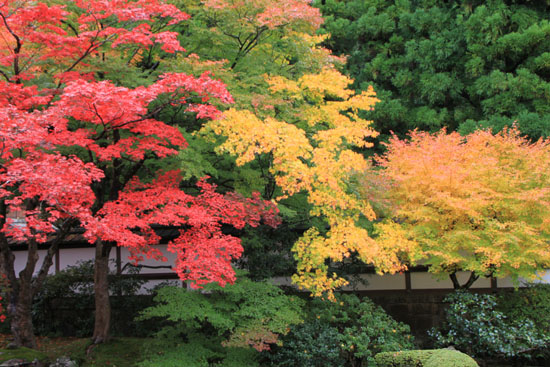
(408, 286)
(118, 261)
(57, 261)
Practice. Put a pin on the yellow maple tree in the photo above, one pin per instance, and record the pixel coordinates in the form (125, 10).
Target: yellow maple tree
(312, 148)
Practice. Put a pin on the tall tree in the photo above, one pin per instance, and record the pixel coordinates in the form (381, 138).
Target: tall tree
(478, 203)
(286, 46)
(309, 140)
(72, 148)
(250, 29)
(287, 93)
(460, 64)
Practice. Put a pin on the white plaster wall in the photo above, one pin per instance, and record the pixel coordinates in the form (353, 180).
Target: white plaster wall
(282, 281)
(422, 280)
(545, 276)
(71, 256)
(521, 282)
(21, 261)
(505, 283)
(481, 282)
(419, 280)
(170, 256)
(375, 282)
(427, 281)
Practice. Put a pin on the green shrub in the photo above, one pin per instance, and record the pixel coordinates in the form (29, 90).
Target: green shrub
(220, 326)
(311, 344)
(409, 358)
(358, 328)
(449, 358)
(65, 303)
(68, 293)
(364, 328)
(474, 326)
(424, 358)
(531, 303)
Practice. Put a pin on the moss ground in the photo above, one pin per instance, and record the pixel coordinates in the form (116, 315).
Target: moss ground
(119, 352)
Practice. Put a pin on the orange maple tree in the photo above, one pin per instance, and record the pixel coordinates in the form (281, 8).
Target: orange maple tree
(477, 203)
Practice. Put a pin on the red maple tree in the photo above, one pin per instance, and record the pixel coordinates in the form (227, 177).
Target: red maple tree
(72, 148)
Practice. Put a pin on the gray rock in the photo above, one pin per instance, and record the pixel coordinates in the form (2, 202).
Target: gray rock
(17, 362)
(12, 345)
(64, 362)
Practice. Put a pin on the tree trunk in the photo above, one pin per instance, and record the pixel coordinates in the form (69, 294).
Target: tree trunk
(19, 310)
(20, 295)
(22, 289)
(19, 300)
(101, 289)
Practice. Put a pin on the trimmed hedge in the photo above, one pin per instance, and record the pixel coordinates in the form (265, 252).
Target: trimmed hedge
(450, 358)
(425, 358)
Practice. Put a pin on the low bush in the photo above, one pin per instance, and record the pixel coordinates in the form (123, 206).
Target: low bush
(311, 344)
(475, 326)
(449, 358)
(408, 358)
(364, 328)
(424, 358)
(218, 326)
(531, 302)
(358, 330)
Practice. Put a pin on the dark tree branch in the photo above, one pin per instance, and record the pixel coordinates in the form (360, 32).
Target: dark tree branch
(5, 75)
(17, 48)
(5, 251)
(456, 284)
(48, 259)
(140, 266)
